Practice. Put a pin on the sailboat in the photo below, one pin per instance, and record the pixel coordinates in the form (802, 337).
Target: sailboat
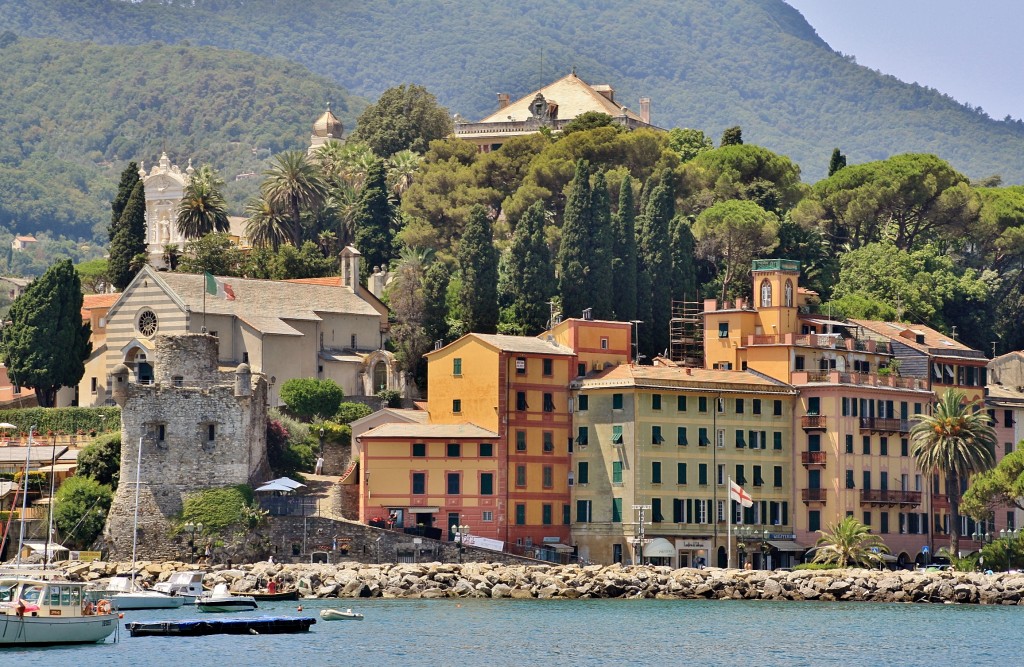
(135, 597)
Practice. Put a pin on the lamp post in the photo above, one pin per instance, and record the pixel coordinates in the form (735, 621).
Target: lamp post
(1010, 535)
(192, 529)
(459, 533)
(743, 533)
(765, 547)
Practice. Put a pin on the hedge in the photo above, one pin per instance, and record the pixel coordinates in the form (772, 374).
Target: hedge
(63, 421)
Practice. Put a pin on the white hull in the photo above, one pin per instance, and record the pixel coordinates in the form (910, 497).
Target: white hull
(144, 600)
(226, 605)
(337, 615)
(51, 630)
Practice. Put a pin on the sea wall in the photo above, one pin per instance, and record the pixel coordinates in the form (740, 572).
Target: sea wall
(486, 580)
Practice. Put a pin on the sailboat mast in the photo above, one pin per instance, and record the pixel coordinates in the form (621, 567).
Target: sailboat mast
(24, 494)
(135, 524)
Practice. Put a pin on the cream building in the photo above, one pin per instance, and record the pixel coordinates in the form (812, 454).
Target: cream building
(165, 186)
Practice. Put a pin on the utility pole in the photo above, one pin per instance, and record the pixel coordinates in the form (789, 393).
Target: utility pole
(639, 540)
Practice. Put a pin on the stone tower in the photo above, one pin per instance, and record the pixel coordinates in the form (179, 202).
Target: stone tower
(199, 427)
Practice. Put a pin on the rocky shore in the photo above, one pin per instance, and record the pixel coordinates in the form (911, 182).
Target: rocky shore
(483, 580)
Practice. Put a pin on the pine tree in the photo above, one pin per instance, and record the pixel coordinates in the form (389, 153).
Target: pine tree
(653, 247)
(837, 162)
(372, 221)
(624, 268)
(599, 264)
(46, 344)
(574, 253)
(684, 273)
(529, 276)
(129, 177)
(732, 136)
(129, 239)
(478, 261)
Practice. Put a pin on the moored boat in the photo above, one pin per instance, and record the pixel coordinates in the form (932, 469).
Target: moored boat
(339, 615)
(187, 585)
(37, 612)
(281, 596)
(266, 625)
(221, 600)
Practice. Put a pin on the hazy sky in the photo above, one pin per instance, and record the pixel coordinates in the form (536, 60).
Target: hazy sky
(971, 50)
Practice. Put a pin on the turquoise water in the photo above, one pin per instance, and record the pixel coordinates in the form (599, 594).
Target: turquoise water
(582, 632)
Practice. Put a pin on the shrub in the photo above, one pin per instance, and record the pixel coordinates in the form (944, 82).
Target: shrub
(818, 566)
(349, 412)
(307, 397)
(101, 459)
(219, 508)
(390, 398)
(80, 510)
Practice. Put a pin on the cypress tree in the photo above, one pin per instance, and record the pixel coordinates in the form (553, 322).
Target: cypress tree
(129, 177)
(129, 239)
(684, 273)
(653, 246)
(372, 221)
(529, 276)
(435, 310)
(599, 268)
(478, 261)
(573, 255)
(837, 162)
(624, 268)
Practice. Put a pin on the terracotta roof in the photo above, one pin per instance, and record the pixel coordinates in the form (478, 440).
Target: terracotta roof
(417, 416)
(573, 96)
(627, 375)
(425, 431)
(907, 335)
(90, 301)
(515, 344)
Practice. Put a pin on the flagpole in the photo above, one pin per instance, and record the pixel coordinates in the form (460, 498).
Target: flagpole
(728, 513)
(204, 303)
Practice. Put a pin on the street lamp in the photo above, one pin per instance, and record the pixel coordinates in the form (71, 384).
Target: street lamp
(743, 533)
(192, 529)
(459, 533)
(1010, 535)
(765, 547)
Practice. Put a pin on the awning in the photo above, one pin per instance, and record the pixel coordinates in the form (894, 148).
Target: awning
(59, 467)
(557, 546)
(274, 486)
(659, 548)
(286, 481)
(424, 510)
(787, 545)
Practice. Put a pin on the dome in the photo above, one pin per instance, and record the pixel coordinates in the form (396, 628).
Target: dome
(328, 125)
(120, 369)
(242, 369)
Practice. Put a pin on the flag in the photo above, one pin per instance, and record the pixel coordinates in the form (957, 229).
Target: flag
(737, 493)
(219, 288)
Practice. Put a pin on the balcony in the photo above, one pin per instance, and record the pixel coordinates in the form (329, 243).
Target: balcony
(889, 497)
(813, 423)
(884, 425)
(812, 459)
(813, 495)
(863, 379)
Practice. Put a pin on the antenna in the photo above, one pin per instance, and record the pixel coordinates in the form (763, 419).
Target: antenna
(993, 349)
(953, 336)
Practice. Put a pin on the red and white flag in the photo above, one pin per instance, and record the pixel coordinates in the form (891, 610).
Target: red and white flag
(737, 493)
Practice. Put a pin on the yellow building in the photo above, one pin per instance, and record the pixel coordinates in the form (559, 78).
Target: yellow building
(668, 439)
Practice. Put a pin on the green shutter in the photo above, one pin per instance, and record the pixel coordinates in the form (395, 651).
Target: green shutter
(583, 475)
(681, 473)
(777, 440)
(616, 510)
(617, 434)
(486, 484)
(681, 435)
(616, 472)
(655, 472)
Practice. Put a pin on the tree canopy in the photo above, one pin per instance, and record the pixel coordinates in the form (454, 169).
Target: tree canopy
(309, 397)
(405, 117)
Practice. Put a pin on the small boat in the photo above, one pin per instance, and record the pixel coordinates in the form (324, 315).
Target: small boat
(187, 585)
(266, 625)
(38, 612)
(266, 596)
(221, 600)
(339, 615)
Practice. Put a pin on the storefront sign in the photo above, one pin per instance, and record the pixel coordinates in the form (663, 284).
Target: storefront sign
(693, 544)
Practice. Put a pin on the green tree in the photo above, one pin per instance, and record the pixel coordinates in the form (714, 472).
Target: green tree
(956, 440)
(528, 277)
(1002, 486)
(46, 344)
(308, 397)
(587, 120)
(405, 298)
(656, 262)
(93, 275)
(266, 225)
(403, 118)
(203, 208)
(435, 309)
(624, 266)
(601, 239)
(129, 240)
(748, 172)
(688, 143)
(294, 184)
(849, 543)
(732, 136)
(478, 264)
(372, 221)
(80, 510)
(684, 273)
(101, 459)
(213, 253)
(349, 412)
(732, 234)
(129, 179)
(574, 254)
(290, 262)
(837, 162)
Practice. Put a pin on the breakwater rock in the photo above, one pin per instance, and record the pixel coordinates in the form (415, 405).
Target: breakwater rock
(483, 580)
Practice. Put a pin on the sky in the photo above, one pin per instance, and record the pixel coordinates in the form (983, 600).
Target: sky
(972, 50)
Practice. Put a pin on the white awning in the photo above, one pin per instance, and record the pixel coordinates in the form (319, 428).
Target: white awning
(659, 548)
(424, 510)
(787, 545)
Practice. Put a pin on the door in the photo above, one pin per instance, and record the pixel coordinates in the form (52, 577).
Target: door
(453, 520)
(814, 479)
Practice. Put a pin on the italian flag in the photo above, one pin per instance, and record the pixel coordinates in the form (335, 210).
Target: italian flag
(219, 288)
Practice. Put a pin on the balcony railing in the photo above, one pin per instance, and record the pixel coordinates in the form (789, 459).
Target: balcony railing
(812, 458)
(813, 495)
(884, 425)
(889, 497)
(813, 422)
(865, 379)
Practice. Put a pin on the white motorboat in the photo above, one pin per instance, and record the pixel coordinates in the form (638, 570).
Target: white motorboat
(37, 612)
(187, 585)
(339, 615)
(221, 599)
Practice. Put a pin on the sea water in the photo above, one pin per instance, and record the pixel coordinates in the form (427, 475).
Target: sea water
(579, 632)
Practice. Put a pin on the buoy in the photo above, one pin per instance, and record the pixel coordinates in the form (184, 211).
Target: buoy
(121, 615)
(300, 608)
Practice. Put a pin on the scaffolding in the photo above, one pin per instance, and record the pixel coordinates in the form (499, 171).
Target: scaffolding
(686, 333)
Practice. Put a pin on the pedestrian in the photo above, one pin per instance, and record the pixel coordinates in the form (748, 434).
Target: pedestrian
(319, 465)
(270, 559)
(208, 554)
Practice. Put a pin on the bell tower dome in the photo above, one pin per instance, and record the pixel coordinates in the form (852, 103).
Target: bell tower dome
(326, 128)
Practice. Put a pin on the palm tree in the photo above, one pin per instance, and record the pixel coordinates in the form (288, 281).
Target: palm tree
(203, 209)
(294, 183)
(266, 224)
(402, 166)
(956, 440)
(849, 542)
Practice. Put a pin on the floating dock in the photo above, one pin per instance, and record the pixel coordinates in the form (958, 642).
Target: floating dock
(265, 625)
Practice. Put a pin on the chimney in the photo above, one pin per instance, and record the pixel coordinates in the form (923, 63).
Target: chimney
(588, 313)
(689, 371)
(645, 110)
(502, 100)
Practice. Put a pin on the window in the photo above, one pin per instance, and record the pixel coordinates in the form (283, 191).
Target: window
(741, 477)
(583, 511)
(681, 403)
(655, 401)
(352, 342)
(520, 514)
(211, 432)
(604, 343)
(453, 483)
(866, 445)
(457, 366)
(545, 514)
(883, 523)
(583, 472)
(849, 479)
(777, 477)
(721, 405)
(867, 518)
(656, 515)
(702, 404)
(905, 447)
(521, 401)
(487, 516)
(1007, 448)
(583, 402)
(756, 406)
(655, 472)
(92, 384)
(419, 483)
(702, 437)
(656, 438)
(849, 444)
(456, 406)
(814, 443)
(520, 475)
(883, 480)
(549, 442)
(520, 365)
(723, 329)
(520, 441)
(566, 514)
(777, 408)
(486, 449)
(814, 520)
(766, 294)
(419, 449)
(161, 432)
(616, 472)
(814, 405)
(680, 473)
(616, 401)
(866, 484)
(548, 477)
(453, 450)
(583, 435)
(177, 381)
(798, 362)
(883, 446)
(1007, 418)
(681, 436)
(616, 510)
(487, 484)
(777, 440)
(617, 434)
(758, 480)
(702, 473)
(787, 294)
(739, 406)
(547, 367)
(739, 439)
(720, 437)
(720, 475)
(549, 403)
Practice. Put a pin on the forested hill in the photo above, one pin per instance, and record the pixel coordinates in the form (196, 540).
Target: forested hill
(74, 114)
(707, 64)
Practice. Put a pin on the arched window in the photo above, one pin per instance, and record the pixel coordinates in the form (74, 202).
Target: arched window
(766, 294)
(788, 295)
(380, 376)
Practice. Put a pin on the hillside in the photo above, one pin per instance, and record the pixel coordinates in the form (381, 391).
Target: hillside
(707, 64)
(75, 113)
